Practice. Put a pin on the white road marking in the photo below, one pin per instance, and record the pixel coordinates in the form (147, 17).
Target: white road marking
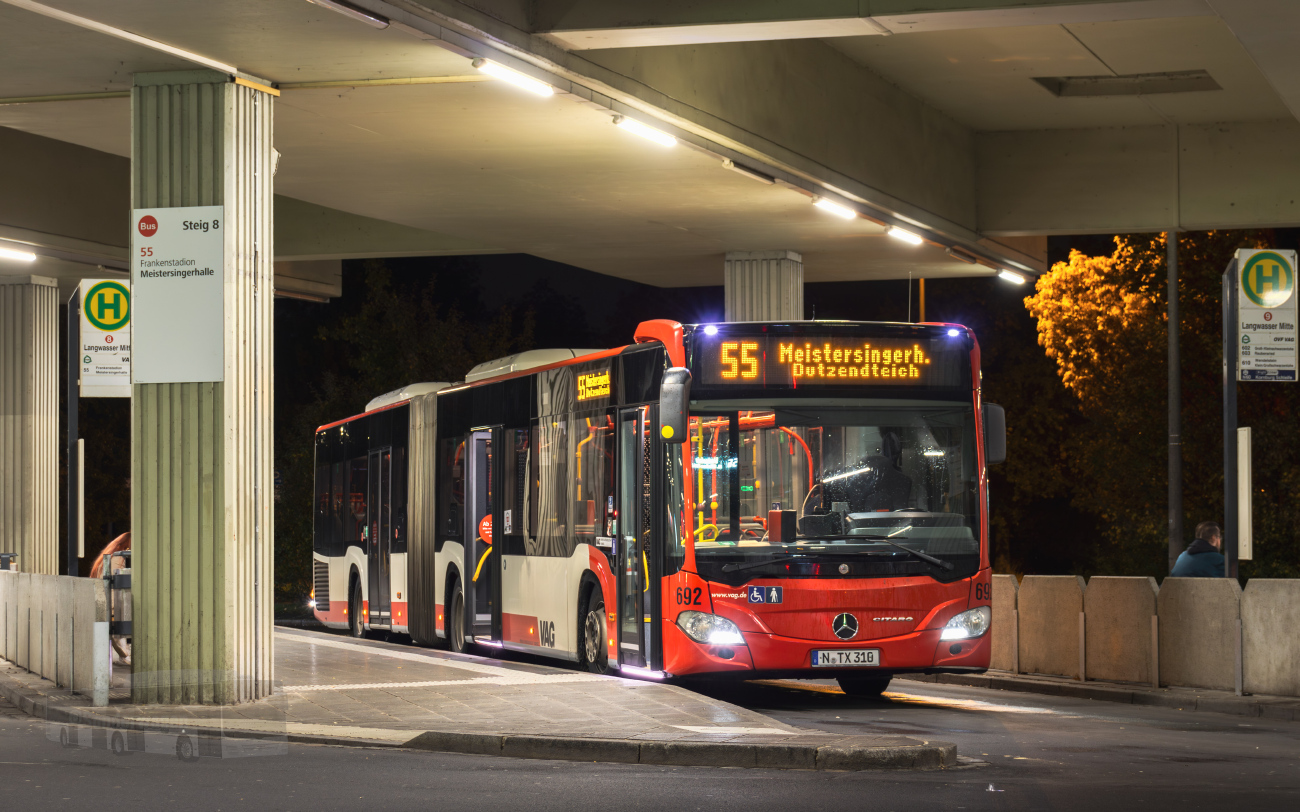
(741, 731)
(508, 676)
(922, 699)
(521, 679)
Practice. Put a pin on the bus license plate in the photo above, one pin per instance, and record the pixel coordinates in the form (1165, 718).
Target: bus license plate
(841, 658)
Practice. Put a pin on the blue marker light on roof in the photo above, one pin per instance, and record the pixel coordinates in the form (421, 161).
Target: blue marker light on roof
(710, 330)
(954, 332)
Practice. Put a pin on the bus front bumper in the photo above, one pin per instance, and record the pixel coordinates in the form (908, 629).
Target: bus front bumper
(770, 655)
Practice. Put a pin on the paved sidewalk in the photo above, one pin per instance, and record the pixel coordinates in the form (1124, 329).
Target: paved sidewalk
(336, 690)
(1199, 699)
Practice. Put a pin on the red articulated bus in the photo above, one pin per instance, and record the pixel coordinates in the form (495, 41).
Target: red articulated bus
(794, 499)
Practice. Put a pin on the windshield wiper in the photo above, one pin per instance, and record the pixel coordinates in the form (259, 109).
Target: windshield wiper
(938, 562)
(889, 539)
(738, 567)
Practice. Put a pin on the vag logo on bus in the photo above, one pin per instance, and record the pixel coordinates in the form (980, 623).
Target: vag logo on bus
(546, 630)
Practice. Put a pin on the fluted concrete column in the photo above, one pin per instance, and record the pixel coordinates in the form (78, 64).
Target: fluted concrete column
(201, 451)
(764, 286)
(29, 422)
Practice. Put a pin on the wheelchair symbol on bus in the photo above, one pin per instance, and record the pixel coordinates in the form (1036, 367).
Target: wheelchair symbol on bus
(765, 594)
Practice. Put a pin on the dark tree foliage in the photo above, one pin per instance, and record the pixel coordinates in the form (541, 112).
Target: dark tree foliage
(429, 319)
(386, 332)
(1103, 321)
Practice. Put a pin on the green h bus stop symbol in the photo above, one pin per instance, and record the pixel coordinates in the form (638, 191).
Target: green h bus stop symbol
(108, 306)
(1267, 279)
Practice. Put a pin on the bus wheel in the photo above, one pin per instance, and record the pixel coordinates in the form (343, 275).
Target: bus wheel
(186, 750)
(593, 651)
(456, 620)
(356, 625)
(863, 686)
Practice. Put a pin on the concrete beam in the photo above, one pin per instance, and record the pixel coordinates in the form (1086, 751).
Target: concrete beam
(1267, 29)
(579, 25)
(1107, 180)
(71, 206)
(305, 231)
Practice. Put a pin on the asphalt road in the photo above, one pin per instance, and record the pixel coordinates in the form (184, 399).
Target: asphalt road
(1043, 753)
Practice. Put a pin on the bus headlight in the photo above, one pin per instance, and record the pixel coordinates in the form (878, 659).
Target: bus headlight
(968, 624)
(705, 628)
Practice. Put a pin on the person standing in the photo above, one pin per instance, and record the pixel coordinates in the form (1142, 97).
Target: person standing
(1202, 558)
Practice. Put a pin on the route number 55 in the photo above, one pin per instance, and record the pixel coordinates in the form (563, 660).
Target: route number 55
(744, 366)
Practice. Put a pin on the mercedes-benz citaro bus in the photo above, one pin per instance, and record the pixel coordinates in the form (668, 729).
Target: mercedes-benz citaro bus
(794, 499)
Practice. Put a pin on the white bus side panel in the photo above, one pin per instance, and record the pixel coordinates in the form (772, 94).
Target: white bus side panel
(397, 591)
(450, 556)
(539, 603)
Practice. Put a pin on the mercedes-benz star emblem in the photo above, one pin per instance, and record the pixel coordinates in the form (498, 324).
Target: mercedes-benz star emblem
(845, 626)
(844, 569)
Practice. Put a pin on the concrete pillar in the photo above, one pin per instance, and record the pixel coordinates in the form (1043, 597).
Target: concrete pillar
(201, 452)
(764, 286)
(29, 422)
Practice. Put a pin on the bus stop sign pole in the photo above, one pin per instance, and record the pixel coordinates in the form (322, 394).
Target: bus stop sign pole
(1230, 340)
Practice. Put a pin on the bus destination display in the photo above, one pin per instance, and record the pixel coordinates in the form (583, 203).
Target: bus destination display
(808, 360)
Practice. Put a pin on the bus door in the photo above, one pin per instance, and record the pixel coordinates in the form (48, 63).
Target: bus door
(379, 529)
(482, 563)
(634, 555)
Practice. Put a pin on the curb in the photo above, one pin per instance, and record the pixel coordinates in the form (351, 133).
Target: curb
(924, 755)
(1279, 708)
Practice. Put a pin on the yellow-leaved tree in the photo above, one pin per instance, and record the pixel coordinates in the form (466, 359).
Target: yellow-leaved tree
(1103, 321)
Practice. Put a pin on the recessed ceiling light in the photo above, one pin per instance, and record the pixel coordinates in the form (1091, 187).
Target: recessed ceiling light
(19, 256)
(514, 77)
(906, 236)
(1135, 84)
(649, 133)
(834, 208)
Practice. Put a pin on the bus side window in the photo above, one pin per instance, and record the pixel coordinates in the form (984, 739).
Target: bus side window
(534, 482)
(593, 477)
(335, 537)
(399, 494)
(515, 481)
(356, 517)
(555, 449)
(321, 541)
(451, 475)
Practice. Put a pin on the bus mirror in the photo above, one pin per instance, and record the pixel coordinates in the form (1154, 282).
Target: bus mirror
(995, 434)
(674, 401)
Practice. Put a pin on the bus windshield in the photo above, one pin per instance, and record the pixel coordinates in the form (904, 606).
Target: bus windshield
(853, 483)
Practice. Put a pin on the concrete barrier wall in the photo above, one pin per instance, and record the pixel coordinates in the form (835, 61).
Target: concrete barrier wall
(1198, 632)
(57, 626)
(1270, 621)
(1118, 614)
(1004, 623)
(1049, 608)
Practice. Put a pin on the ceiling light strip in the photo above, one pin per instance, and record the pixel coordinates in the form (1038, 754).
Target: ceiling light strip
(17, 256)
(91, 25)
(428, 29)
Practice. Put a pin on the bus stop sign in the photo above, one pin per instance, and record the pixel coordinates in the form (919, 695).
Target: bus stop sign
(1266, 315)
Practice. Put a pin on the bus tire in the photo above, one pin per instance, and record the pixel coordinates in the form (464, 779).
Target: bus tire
(864, 686)
(592, 653)
(356, 625)
(456, 619)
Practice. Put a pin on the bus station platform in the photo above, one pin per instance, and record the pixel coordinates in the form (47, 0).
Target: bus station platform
(337, 690)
